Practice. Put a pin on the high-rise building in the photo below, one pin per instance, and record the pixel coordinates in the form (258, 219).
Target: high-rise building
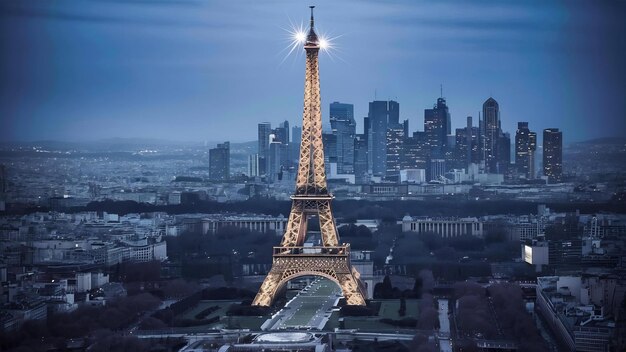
(274, 162)
(395, 139)
(344, 128)
(377, 139)
(282, 132)
(467, 144)
(437, 169)
(525, 146)
(490, 134)
(553, 154)
(264, 131)
(253, 165)
(393, 113)
(296, 139)
(436, 125)
(405, 126)
(330, 150)
(219, 162)
(503, 153)
(366, 127)
(360, 159)
(415, 152)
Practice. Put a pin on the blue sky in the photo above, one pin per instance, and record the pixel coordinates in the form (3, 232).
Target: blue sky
(211, 70)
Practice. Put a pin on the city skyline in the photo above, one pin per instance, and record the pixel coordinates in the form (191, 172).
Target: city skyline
(104, 72)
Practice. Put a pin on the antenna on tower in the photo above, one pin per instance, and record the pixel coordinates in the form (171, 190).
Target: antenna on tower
(441, 90)
(312, 20)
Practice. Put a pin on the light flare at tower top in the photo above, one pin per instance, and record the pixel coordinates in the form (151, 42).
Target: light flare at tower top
(300, 35)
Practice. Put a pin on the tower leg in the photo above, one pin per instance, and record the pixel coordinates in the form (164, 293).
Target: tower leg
(294, 225)
(327, 224)
(352, 289)
(266, 293)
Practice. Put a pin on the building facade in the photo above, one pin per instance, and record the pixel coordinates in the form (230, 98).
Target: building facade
(344, 128)
(553, 154)
(525, 146)
(219, 162)
(444, 227)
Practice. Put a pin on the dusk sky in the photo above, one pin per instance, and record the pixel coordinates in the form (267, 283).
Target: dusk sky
(211, 70)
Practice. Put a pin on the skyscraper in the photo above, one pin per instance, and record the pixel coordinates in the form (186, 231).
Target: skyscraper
(553, 154)
(344, 128)
(274, 160)
(436, 125)
(265, 129)
(395, 141)
(294, 146)
(490, 134)
(525, 146)
(503, 153)
(415, 152)
(393, 113)
(282, 132)
(219, 162)
(377, 139)
(330, 150)
(467, 150)
(360, 159)
(253, 165)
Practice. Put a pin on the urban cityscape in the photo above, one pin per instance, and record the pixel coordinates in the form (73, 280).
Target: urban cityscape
(353, 226)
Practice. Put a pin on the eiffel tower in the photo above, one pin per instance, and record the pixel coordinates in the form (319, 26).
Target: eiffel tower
(291, 259)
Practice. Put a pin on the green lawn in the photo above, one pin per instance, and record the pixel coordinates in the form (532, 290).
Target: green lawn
(202, 305)
(388, 309)
(228, 322)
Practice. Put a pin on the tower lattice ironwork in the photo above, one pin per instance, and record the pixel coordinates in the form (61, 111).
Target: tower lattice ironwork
(291, 259)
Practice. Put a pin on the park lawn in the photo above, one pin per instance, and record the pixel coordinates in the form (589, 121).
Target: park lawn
(202, 305)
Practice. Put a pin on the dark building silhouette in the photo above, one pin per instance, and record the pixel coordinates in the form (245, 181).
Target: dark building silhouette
(436, 125)
(525, 146)
(344, 128)
(330, 150)
(395, 142)
(377, 137)
(553, 154)
(490, 134)
(360, 159)
(405, 126)
(393, 108)
(281, 133)
(264, 131)
(467, 145)
(415, 152)
(503, 153)
(275, 159)
(294, 146)
(219, 162)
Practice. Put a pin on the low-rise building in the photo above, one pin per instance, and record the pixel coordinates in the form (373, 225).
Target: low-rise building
(444, 227)
(576, 310)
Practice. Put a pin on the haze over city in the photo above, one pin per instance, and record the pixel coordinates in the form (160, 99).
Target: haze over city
(385, 176)
(192, 70)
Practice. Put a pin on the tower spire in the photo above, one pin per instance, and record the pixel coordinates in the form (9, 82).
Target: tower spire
(311, 39)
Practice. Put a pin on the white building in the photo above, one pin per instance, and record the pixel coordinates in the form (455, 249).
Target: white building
(413, 175)
(444, 227)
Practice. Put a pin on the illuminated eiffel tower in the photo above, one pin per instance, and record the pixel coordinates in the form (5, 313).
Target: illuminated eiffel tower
(311, 197)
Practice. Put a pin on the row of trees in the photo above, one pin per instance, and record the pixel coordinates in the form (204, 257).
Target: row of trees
(496, 312)
(350, 209)
(86, 321)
